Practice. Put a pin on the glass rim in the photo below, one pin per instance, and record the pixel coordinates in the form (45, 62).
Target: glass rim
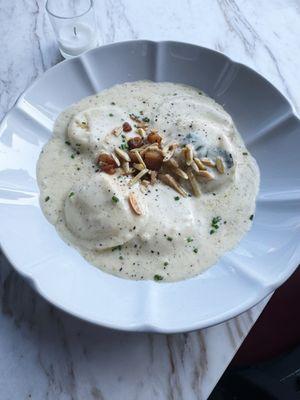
(66, 17)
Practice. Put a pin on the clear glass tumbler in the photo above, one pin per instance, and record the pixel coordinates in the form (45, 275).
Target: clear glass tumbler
(74, 24)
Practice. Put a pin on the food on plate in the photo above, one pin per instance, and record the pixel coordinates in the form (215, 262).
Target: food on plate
(148, 180)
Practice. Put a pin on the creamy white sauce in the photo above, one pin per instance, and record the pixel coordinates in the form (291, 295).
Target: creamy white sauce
(174, 239)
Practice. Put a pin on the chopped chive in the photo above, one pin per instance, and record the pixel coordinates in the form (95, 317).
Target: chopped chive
(166, 263)
(245, 154)
(251, 217)
(121, 258)
(71, 194)
(72, 155)
(176, 198)
(169, 239)
(111, 115)
(68, 143)
(47, 198)
(114, 199)
(195, 250)
(212, 231)
(146, 119)
(158, 277)
(113, 103)
(189, 239)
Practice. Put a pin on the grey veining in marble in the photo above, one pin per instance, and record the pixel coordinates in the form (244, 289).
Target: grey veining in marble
(46, 354)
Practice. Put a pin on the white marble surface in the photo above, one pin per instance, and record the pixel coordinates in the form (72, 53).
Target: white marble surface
(46, 354)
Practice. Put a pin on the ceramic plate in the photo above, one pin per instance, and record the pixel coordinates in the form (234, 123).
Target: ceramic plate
(265, 257)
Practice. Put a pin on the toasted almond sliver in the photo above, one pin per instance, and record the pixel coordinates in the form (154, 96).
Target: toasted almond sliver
(121, 153)
(145, 182)
(139, 167)
(125, 166)
(116, 160)
(207, 176)
(189, 154)
(194, 183)
(139, 157)
(220, 165)
(134, 204)
(173, 163)
(168, 155)
(138, 177)
(170, 181)
(117, 131)
(181, 173)
(153, 177)
(208, 162)
(200, 164)
(194, 166)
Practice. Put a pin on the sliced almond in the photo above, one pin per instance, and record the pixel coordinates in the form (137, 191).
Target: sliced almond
(181, 173)
(121, 153)
(145, 182)
(208, 162)
(139, 167)
(189, 154)
(136, 178)
(141, 161)
(134, 204)
(194, 183)
(220, 165)
(200, 164)
(194, 166)
(106, 158)
(125, 166)
(168, 151)
(173, 163)
(117, 131)
(207, 176)
(170, 181)
(116, 160)
(153, 177)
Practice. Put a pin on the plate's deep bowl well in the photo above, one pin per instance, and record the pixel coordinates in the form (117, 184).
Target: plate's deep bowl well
(266, 256)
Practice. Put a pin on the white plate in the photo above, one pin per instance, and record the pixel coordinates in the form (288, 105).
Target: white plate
(266, 256)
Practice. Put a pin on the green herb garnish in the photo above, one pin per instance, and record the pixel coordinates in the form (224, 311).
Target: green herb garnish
(215, 224)
(68, 143)
(71, 194)
(158, 277)
(111, 115)
(113, 103)
(251, 217)
(146, 119)
(72, 155)
(189, 239)
(176, 198)
(121, 258)
(114, 199)
(195, 250)
(245, 154)
(47, 198)
(119, 247)
(166, 263)
(124, 146)
(169, 238)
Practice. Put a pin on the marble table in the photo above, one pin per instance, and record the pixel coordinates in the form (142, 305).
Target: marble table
(46, 354)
